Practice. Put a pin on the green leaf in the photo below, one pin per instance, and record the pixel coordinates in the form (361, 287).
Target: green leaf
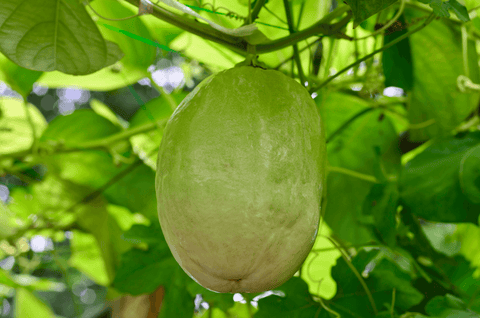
(354, 149)
(467, 235)
(381, 277)
(154, 110)
(144, 271)
(430, 183)
(437, 62)
(66, 128)
(440, 236)
(57, 35)
(470, 174)
(104, 111)
(87, 258)
(51, 198)
(381, 206)
(15, 129)
(95, 219)
(297, 302)
(94, 168)
(449, 306)
(459, 10)
(29, 306)
(462, 275)
(362, 10)
(397, 60)
(440, 8)
(140, 233)
(177, 302)
(138, 54)
(6, 280)
(20, 79)
(8, 225)
(59, 201)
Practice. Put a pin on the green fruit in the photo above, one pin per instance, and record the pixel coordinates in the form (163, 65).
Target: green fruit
(239, 180)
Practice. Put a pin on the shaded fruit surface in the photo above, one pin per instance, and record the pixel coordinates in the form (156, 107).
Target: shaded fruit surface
(239, 180)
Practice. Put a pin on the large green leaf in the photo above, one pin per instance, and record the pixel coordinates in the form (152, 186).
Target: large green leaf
(27, 305)
(462, 275)
(449, 306)
(53, 35)
(138, 54)
(397, 59)
(355, 148)
(430, 182)
(470, 174)
(15, 129)
(437, 62)
(87, 258)
(362, 10)
(381, 276)
(177, 302)
(144, 271)
(441, 8)
(468, 237)
(379, 211)
(96, 168)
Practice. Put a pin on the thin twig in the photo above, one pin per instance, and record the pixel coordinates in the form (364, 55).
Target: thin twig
(357, 274)
(349, 122)
(429, 19)
(389, 23)
(288, 13)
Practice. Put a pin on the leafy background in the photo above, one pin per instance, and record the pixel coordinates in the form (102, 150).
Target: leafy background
(82, 111)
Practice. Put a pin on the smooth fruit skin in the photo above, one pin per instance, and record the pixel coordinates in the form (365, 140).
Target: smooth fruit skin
(240, 173)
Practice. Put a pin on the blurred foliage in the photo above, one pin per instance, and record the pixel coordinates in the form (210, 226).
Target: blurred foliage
(78, 224)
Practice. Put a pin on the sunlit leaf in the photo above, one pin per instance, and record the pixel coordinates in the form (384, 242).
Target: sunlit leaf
(430, 183)
(20, 79)
(29, 306)
(15, 129)
(138, 54)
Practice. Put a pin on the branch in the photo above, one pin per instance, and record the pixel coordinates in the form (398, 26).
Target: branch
(238, 44)
(349, 122)
(291, 29)
(258, 6)
(320, 27)
(205, 31)
(89, 145)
